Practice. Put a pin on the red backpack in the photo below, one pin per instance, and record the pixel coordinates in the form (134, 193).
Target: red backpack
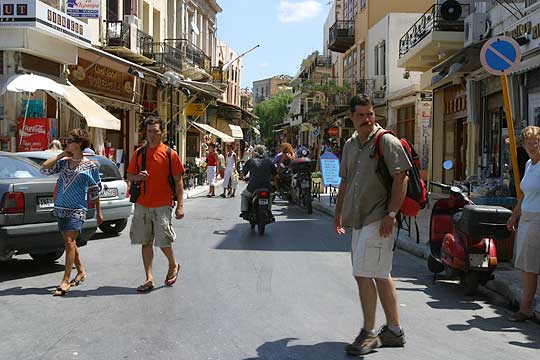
(416, 197)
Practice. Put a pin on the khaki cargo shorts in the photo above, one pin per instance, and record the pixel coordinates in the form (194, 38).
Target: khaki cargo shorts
(152, 225)
(371, 253)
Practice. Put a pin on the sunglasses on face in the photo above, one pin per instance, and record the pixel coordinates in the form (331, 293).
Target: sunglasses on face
(70, 140)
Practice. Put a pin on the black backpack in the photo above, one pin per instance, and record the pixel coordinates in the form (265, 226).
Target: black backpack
(142, 152)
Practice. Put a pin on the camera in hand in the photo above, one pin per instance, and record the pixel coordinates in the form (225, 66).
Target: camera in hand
(134, 191)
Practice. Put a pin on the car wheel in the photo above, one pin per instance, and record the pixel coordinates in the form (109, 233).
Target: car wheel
(48, 258)
(113, 227)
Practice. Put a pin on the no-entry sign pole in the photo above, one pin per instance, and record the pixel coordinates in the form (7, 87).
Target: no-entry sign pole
(500, 56)
(511, 134)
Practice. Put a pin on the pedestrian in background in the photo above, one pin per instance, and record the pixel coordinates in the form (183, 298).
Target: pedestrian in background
(212, 162)
(365, 205)
(221, 164)
(152, 217)
(229, 169)
(78, 182)
(527, 210)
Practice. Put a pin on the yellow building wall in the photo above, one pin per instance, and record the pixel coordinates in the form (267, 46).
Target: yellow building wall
(378, 9)
(375, 11)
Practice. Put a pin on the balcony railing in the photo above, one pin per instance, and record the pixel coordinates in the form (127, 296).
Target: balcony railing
(531, 5)
(323, 61)
(166, 55)
(196, 56)
(218, 75)
(431, 21)
(341, 36)
(118, 35)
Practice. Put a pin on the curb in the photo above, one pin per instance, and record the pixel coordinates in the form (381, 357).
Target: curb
(510, 293)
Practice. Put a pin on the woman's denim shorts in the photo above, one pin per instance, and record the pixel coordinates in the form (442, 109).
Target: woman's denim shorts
(69, 224)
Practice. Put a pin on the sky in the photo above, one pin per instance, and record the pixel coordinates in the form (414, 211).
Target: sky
(287, 31)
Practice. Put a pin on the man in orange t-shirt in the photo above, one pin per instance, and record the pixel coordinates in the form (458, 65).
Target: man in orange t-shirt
(152, 218)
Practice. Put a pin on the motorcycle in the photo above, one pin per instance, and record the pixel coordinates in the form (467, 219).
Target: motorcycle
(259, 212)
(462, 237)
(301, 184)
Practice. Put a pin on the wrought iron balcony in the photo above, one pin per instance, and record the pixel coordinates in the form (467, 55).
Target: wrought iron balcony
(341, 36)
(196, 56)
(166, 55)
(432, 21)
(118, 40)
(323, 61)
(374, 88)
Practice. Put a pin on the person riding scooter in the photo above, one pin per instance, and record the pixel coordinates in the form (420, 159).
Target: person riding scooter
(260, 170)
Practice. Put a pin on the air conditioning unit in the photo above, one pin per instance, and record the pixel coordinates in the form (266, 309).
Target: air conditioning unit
(477, 28)
(132, 19)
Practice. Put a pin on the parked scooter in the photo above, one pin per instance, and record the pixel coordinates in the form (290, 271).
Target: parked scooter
(301, 183)
(259, 212)
(461, 237)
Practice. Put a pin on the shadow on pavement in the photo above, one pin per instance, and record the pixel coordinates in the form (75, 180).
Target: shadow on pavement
(102, 236)
(303, 235)
(448, 295)
(280, 349)
(76, 293)
(21, 269)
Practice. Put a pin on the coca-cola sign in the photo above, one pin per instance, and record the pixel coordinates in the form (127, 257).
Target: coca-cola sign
(33, 134)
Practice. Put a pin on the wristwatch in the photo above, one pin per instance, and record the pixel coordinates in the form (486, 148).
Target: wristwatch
(392, 214)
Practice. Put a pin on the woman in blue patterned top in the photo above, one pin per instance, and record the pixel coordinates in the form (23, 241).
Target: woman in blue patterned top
(78, 183)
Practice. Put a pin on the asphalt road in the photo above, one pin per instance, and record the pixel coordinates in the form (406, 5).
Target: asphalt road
(286, 295)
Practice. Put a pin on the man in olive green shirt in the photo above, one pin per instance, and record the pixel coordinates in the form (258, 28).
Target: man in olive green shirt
(367, 206)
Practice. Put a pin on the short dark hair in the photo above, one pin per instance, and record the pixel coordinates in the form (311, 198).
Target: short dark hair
(361, 100)
(152, 120)
(80, 136)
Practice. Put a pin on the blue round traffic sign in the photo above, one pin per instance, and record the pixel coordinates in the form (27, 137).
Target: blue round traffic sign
(500, 55)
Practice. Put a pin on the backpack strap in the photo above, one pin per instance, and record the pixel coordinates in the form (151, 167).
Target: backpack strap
(169, 151)
(141, 152)
(377, 147)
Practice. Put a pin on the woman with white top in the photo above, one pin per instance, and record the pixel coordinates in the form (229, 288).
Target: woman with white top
(527, 257)
(229, 169)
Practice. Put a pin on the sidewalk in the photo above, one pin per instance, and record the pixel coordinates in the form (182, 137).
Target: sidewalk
(507, 282)
(200, 190)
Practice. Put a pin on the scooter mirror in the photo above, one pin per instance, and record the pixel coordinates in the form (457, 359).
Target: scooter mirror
(448, 165)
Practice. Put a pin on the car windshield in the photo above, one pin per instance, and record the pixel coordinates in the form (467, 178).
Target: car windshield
(108, 171)
(12, 167)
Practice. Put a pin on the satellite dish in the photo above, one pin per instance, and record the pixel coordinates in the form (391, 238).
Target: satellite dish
(451, 10)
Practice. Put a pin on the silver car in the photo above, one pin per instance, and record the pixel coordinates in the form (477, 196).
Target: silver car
(27, 225)
(114, 197)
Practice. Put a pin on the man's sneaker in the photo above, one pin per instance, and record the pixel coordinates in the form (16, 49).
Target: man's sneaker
(390, 339)
(363, 344)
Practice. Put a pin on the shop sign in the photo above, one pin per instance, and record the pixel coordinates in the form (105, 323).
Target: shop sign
(44, 18)
(195, 109)
(34, 134)
(88, 9)
(101, 78)
(525, 29)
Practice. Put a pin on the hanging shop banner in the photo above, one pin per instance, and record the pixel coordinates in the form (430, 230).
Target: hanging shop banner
(84, 9)
(195, 109)
(36, 134)
(330, 169)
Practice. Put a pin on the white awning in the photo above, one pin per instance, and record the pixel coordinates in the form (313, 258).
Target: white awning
(31, 83)
(527, 65)
(236, 132)
(224, 137)
(95, 115)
